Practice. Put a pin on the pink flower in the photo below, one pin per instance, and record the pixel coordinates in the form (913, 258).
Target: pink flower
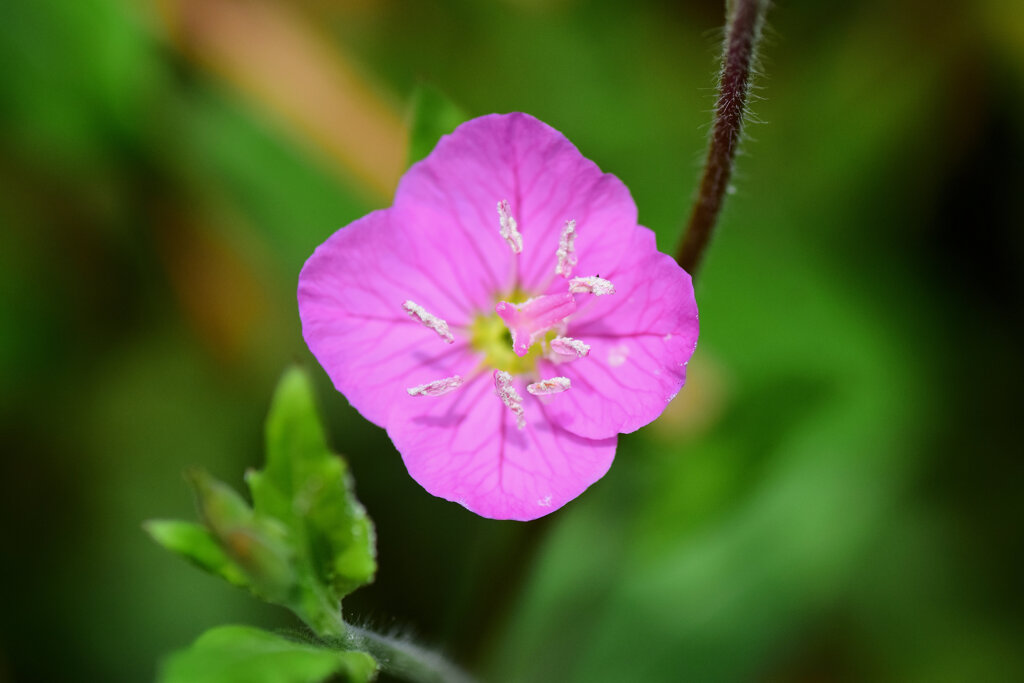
(504, 320)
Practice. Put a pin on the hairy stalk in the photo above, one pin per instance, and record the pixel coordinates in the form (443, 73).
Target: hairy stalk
(403, 659)
(743, 31)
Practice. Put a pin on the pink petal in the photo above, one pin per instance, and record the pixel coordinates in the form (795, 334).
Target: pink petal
(641, 339)
(546, 181)
(351, 292)
(465, 447)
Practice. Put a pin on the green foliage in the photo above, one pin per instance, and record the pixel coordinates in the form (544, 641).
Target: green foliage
(257, 544)
(433, 115)
(241, 654)
(287, 197)
(311, 491)
(842, 287)
(740, 542)
(305, 542)
(195, 542)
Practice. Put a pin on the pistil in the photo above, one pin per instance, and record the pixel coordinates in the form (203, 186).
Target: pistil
(531, 319)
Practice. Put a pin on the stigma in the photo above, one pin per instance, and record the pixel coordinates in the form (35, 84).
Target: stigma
(528, 321)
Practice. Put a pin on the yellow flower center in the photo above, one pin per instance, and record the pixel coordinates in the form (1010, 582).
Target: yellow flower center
(491, 337)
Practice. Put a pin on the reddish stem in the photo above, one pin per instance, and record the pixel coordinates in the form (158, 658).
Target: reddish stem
(742, 35)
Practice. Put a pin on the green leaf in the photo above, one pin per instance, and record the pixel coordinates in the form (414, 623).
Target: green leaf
(286, 195)
(258, 544)
(433, 115)
(241, 654)
(305, 542)
(309, 490)
(195, 542)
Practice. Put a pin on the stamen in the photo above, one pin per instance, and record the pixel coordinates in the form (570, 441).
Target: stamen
(531, 319)
(554, 385)
(566, 249)
(509, 229)
(569, 347)
(509, 396)
(591, 284)
(438, 387)
(416, 311)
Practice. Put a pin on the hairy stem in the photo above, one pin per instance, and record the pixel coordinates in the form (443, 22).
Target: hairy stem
(403, 659)
(743, 31)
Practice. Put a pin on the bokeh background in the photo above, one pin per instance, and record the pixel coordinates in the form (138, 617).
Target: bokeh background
(835, 496)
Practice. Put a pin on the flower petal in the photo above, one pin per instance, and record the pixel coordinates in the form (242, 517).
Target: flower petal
(351, 292)
(641, 339)
(465, 447)
(546, 181)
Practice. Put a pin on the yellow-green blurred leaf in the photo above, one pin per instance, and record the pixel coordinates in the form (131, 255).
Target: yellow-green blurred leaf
(309, 490)
(195, 542)
(306, 542)
(433, 115)
(240, 654)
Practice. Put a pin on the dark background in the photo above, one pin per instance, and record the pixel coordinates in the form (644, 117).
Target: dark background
(835, 496)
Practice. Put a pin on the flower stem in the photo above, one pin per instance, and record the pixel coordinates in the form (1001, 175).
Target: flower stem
(403, 659)
(743, 31)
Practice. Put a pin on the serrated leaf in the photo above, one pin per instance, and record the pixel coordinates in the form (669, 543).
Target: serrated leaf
(241, 654)
(309, 490)
(306, 541)
(323, 506)
(194, 542)
(433, 115)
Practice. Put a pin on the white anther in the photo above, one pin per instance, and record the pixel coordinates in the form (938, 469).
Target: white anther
(438, 387)
(509, 230)
(554, 385)
(566, 250)
(569, 347)
(591, 284)
(509, 396)
(432, 321)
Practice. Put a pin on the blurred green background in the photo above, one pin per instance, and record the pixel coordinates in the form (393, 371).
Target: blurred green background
(835, 496)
